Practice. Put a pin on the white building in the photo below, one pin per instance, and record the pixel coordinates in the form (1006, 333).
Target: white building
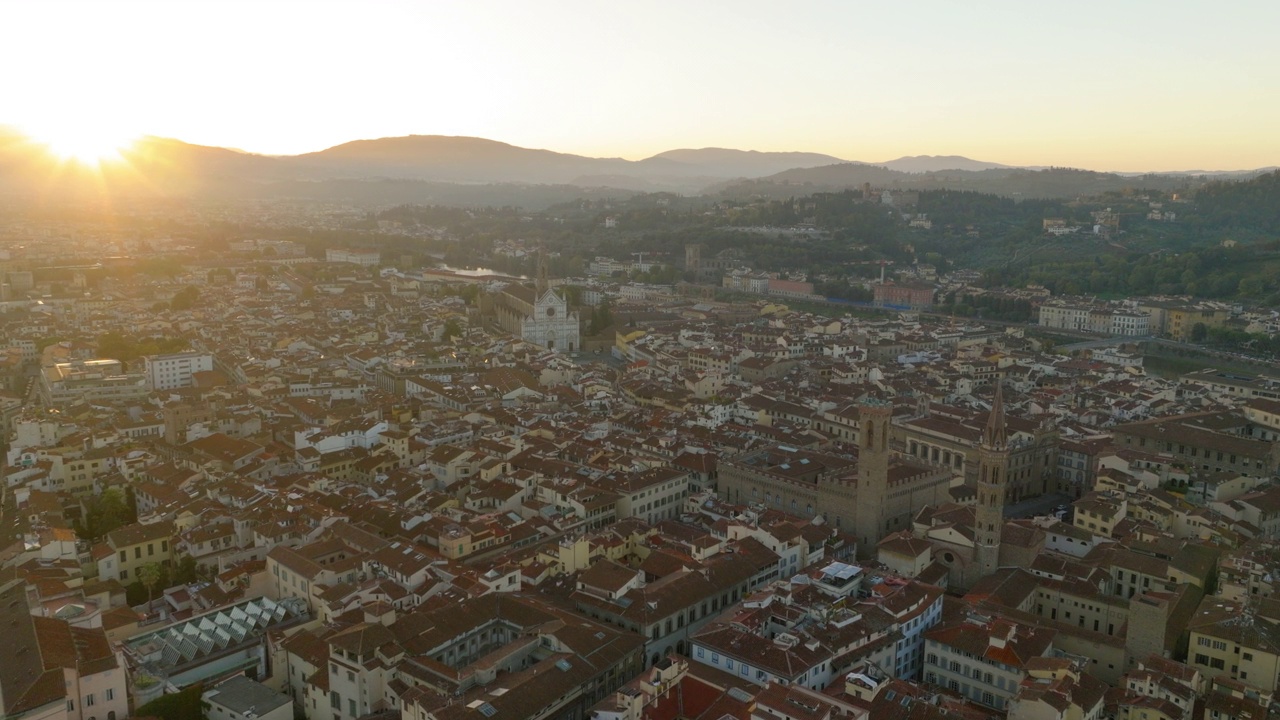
(540, 316)
(166, 372)
(102, 380)
(368, 258)
(1130, 323)
(243, 699)
(1101, 319)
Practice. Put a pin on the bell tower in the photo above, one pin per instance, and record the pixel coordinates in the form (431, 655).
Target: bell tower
(870, 515)
(542, 283)
(993, 466)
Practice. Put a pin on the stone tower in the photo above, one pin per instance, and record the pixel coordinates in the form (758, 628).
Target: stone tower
(993, 465)
(870, 515)
(693, 258)
(542, 283)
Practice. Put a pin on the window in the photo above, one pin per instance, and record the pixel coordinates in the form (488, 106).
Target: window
(88, 700)
(111, 694)
(1202, 659)
(335, 700)
(351, 705)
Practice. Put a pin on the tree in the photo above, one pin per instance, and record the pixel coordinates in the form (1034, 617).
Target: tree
(601, 317)
(149, 575)
(1250, 289)
(104, 513)
(1199, 332)
(183, 705)
(185, 299)
(451, 330)
(187, 571)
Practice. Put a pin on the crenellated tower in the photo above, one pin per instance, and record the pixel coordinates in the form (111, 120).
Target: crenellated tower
(993, 468)
(871, 516)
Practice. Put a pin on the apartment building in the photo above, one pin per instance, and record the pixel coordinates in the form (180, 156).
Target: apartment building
(1236, 640)
(496, 656)
(1203, 441)
(1107, 319)
(129, 548)
(1177, 319)
(983, 659)
(91, 381)
(366, 258)
(175, 370)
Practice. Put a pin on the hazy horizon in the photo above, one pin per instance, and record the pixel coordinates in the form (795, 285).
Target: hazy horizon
(1096, 86)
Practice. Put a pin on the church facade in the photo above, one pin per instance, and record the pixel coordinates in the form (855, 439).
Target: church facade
(539, 315)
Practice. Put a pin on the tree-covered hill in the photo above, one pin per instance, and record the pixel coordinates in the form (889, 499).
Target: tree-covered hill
(1251, 205)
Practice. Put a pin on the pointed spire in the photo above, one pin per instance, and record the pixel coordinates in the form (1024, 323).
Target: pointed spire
(996, 434)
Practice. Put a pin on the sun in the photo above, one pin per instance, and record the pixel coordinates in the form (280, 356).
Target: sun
(84, 144)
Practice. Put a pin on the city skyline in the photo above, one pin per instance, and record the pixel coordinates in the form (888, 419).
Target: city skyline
(1104, 88)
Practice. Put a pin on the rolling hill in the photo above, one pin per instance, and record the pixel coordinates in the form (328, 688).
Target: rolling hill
(416, 168)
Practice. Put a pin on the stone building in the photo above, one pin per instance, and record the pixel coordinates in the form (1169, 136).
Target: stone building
(954, 440)
(538, 314)
(993, 464)
(872, 493)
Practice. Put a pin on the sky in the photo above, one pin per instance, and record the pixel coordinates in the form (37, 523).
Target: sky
(1102, 85)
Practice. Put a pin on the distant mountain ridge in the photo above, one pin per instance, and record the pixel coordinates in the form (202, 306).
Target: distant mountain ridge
(723, 162)
(936, 163)
(171, 167)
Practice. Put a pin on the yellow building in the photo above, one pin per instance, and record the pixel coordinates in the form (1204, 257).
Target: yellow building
(1099, 513)
(132, 546)
(1177, 319)
(1231, 639)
